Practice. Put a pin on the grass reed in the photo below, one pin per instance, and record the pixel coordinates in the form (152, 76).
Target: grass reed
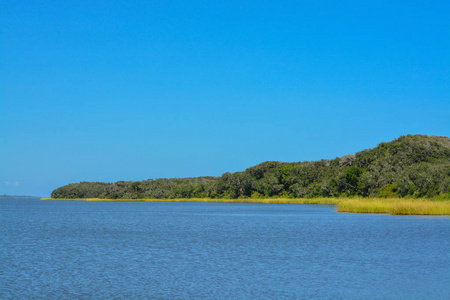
(395, 206)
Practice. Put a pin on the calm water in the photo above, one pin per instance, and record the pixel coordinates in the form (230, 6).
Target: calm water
(77, 249)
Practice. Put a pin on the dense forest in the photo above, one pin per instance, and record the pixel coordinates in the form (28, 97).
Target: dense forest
(410, 166)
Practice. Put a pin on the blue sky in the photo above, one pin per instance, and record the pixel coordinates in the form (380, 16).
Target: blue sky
(116, 90)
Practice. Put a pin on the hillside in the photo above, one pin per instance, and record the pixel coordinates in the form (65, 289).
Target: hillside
(412, 165)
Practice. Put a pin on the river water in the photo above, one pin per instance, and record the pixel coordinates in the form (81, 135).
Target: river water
(132, 250)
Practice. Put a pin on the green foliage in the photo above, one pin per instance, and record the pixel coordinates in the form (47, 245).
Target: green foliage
(410, 166)
(389, 191)
(352, 175)
(256, 195)
(445, 196)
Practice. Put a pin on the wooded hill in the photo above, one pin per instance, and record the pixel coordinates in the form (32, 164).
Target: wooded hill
(412, 165)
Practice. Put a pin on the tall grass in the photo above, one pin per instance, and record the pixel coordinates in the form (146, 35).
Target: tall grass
(395, 206)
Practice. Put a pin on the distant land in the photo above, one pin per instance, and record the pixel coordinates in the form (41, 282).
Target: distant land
(411, 166)
(18, 197)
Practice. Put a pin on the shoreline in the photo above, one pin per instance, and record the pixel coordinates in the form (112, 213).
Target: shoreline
(248, 200)
(392, 206)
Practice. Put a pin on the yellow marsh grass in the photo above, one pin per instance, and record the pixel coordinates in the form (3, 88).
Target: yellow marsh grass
(394, 206)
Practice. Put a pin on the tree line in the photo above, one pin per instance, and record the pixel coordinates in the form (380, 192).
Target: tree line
(410, 166)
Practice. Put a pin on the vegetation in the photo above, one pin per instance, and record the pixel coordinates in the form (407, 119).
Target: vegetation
(395, 206)
(412, 166)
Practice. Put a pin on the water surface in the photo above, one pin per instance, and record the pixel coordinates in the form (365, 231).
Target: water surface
(164, 250)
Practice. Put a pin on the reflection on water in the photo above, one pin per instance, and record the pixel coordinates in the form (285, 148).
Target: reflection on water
(62, 249)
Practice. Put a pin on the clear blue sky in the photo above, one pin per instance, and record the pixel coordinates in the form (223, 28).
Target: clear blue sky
(132, 90)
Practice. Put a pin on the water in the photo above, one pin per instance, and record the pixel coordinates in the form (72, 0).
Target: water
(98, 250)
